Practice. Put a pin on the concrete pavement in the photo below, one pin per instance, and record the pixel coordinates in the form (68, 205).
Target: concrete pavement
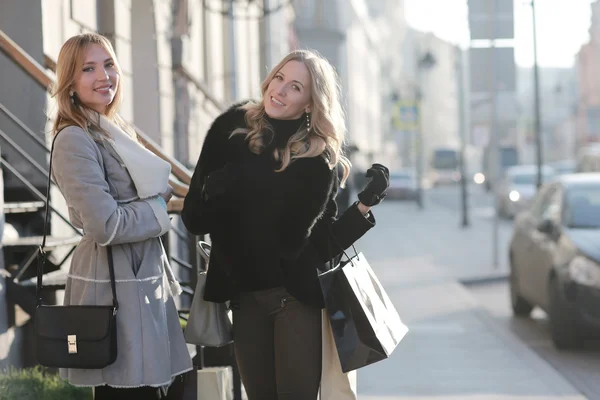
(435, 234)
(454, 349)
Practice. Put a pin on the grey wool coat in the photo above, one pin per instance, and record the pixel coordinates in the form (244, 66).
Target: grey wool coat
(103, 202)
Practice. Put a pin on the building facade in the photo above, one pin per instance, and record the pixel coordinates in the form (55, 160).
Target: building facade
(433, 88)
(343, 32)
(588, 84)
(389, 20)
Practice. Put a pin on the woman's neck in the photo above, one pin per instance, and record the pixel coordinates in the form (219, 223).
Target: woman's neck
(284, 129)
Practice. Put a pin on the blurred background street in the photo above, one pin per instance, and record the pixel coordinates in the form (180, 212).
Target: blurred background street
(463, 341)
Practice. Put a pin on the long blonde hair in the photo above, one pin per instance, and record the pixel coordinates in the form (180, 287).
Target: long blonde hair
(68, 68)
(324, 137)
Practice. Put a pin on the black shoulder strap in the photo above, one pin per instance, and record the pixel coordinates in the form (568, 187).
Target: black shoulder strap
(42, 250)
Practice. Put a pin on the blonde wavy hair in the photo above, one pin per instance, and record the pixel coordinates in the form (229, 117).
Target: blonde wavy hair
(324, 137)
(68, 68)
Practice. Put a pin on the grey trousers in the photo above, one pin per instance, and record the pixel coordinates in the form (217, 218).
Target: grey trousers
(278, 345)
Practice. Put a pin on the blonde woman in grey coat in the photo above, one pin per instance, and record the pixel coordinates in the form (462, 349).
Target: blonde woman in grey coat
(116, 192)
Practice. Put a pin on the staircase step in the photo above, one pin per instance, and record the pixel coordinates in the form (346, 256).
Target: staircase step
(23, 293)
(18, 294)
(55, 280)
(51, 241)
(23, 207)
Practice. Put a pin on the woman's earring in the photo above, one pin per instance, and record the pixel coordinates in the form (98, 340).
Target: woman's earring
(307, 122)
(72, 95)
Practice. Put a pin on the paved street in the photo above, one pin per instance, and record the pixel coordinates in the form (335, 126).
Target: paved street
(439, 237)
(581, 368)
(455, 349)
(479, 236)
(480, 201)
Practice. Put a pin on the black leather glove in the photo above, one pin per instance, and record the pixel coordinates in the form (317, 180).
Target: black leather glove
(221, 181)
(374, 193)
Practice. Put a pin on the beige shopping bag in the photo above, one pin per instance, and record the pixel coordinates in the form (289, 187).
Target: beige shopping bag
(335, 384)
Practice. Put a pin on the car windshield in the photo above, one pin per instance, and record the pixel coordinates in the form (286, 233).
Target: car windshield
(528, 178)
(508, 157)
(445, 159)
(564, 170)
(582, 207)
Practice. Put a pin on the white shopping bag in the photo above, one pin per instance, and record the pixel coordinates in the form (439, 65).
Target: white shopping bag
(335, 385)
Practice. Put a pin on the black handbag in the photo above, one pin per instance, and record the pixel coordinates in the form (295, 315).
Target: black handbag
(78, 336)
(365, 324)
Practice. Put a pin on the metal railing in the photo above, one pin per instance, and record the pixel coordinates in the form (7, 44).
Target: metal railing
(24, 266)
(46, 79)
(179, 181)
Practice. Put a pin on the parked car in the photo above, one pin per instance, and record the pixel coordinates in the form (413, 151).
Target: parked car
(508, 156)
(588, 158)
(563, 167)
(517, 188)
(403, 185)
(555, 258)
(444, 166)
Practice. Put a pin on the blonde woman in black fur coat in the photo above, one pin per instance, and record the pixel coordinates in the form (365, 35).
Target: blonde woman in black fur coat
(264, 190)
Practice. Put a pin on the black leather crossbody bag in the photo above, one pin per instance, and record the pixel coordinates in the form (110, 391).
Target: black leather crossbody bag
(78, 336)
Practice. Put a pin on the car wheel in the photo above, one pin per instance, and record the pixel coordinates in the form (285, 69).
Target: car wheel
(509, 214)
(563, 326)
(520, 306)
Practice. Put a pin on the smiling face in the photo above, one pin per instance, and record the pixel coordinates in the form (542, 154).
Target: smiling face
(289, 92)
(97, 82)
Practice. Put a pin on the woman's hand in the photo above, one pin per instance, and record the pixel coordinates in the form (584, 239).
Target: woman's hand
(221, 181)
(168, 194)
(374, 192)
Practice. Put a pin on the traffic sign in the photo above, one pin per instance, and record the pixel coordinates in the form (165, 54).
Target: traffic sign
(406, 116)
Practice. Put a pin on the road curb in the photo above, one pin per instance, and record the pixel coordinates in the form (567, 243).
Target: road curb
(484, 280)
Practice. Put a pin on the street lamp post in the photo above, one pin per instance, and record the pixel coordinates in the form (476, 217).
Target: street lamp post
(536, 85)
(425, 62)
(419, 149)
(463, 126)
(493, 145)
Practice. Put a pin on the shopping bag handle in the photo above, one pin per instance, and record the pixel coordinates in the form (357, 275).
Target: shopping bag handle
(204, 250)
(340, 247)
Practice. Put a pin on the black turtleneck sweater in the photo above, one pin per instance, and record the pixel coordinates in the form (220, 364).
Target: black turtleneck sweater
(284, 129)
(257, 264)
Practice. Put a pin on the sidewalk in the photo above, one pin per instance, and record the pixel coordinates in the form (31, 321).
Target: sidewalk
(435, 234)
(476, 241)
(454, 349)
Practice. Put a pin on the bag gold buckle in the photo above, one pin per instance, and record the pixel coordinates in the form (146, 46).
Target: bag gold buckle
(72, 341)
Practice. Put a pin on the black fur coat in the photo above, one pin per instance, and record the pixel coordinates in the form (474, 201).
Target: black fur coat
(310, 234)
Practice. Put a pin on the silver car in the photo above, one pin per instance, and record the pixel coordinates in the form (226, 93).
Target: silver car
(555, 258)
(403, 185)
(518, 187)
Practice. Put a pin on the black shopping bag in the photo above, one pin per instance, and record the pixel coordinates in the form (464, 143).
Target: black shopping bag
(366, 326)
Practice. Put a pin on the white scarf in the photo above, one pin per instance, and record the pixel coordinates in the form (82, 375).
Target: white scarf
(150, 174)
